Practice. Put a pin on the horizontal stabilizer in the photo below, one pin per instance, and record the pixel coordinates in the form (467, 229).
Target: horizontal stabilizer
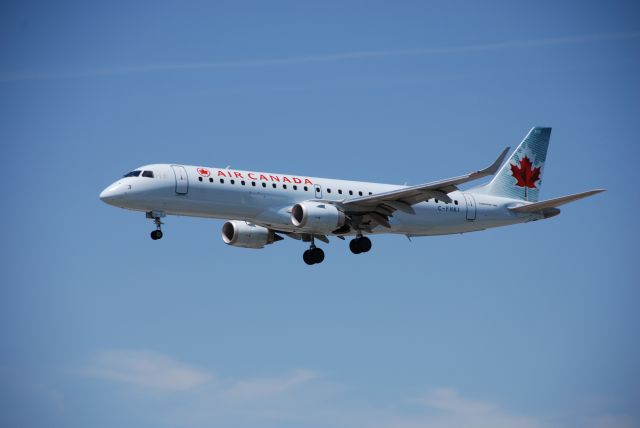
(553, 203)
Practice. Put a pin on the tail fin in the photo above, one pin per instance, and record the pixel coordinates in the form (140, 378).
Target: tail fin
(521, 176)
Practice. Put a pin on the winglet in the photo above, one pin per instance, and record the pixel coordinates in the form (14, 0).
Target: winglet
(496, 165)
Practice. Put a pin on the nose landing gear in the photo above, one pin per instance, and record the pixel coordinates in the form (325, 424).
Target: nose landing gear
(156, 216)
(360, 244)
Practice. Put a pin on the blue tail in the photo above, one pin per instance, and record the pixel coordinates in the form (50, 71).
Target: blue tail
(521, 176)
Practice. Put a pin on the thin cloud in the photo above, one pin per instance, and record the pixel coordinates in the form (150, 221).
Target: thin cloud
(267, 387)
(302, 397)
(147, 370)
(319, 58)
(159, 372)
(446, 408)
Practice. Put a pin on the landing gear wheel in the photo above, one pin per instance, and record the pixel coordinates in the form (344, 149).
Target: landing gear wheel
(313, 256)
(307, 257)
(156, 234)
(317, 255)
(365, 244)
(361, 244)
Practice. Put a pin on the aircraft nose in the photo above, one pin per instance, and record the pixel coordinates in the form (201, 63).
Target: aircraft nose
(112, 194)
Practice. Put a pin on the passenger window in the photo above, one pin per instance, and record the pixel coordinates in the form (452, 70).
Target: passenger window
(199, 178)
(132, 174)
(210, 180)
(351, 192)
(436, 201)
(360, 193)
(328, 190)
(306, 189)
(455, 202)
(370, 193)
(222, 181)
(274, 185)
(340, 191)
(284, 186)
(295, 187)
(264, 184)
(148, 174)
(253, 183)
(233, 181)
(242, 182)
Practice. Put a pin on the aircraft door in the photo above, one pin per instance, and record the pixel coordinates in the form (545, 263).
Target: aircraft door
(471, 206)
(182, 180)
(318, 191)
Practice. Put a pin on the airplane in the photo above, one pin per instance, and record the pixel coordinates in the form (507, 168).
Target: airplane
(263, 207)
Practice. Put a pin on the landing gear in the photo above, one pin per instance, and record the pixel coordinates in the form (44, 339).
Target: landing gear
(156, 216)
(314, 254)
(360, 244)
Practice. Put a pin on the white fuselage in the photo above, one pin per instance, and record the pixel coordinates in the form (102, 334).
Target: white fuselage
(267, 199)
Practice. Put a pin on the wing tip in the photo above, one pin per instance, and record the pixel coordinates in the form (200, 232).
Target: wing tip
(495, 166)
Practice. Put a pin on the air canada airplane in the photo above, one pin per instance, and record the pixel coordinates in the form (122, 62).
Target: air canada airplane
(263, 207)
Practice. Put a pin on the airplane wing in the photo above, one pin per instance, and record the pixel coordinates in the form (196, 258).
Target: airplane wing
(402, 199)
(543, 206)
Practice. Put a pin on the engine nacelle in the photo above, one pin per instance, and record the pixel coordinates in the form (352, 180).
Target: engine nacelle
(318, 217)
(247, 235)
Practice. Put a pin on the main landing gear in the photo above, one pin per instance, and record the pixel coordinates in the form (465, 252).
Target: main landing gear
(360, 244)
(156, 216)
(313, 255)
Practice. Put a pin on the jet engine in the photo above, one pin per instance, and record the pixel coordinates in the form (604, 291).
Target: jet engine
(247, 235)
(318, 217)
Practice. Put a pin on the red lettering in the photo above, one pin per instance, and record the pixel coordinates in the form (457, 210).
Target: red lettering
(252, 176)
(221, 173)
(297, 180)
(286, 179)
(238, 175)
(263, 178)
(275, 178)
(307, 181)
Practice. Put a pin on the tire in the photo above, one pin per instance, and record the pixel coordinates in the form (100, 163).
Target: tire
(354, 247)
(158, 234)
(317, 255)
(307, 257)
(364, 244)
(153, 235)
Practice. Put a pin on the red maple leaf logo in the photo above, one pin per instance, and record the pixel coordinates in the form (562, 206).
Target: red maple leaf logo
(525, 175)
(203, 171)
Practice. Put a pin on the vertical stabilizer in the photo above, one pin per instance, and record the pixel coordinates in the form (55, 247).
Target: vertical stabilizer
(521, 176)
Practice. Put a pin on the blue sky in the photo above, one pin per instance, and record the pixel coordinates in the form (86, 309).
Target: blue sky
(533, 325)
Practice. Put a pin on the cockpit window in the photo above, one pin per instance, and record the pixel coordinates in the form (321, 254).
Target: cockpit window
(147, 174)
(133, 173)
